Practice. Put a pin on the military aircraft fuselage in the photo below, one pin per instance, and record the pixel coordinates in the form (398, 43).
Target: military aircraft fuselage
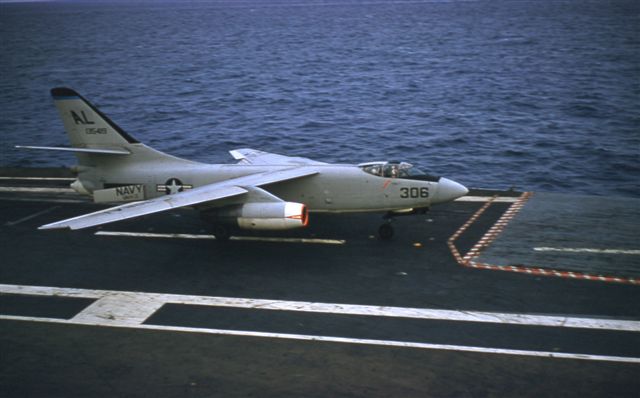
(336, 188)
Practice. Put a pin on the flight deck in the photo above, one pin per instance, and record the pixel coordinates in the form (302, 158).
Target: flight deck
(501, 293)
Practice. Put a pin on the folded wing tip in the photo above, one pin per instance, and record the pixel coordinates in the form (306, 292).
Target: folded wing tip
(236, 154)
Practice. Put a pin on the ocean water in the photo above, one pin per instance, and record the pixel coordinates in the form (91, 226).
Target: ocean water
(537, 95)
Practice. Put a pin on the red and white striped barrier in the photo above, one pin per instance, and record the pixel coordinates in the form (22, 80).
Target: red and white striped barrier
(468, 259)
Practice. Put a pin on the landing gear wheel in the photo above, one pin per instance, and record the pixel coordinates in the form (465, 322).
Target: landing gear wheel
(385, 232)
(221, 233)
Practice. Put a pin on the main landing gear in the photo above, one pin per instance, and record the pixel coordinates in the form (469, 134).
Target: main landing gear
(221, 232)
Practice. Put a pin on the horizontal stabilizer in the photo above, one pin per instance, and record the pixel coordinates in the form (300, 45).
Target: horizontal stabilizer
(79, 150)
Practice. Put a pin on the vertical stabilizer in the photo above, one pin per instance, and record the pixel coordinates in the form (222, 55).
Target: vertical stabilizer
(86, 125)
(90, 129)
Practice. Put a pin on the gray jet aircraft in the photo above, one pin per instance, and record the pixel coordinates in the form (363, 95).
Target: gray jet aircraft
(262, 191)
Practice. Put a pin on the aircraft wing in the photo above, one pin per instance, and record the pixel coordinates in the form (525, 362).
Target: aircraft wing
(253, 156)
(206, 194)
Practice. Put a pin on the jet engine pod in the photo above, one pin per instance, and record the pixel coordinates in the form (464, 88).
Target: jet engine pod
(268, 215)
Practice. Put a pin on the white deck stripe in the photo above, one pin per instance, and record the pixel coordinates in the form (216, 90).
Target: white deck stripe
(138, 299)
(238, 238)
(330, 339)
(36, 190)
(499, 199)
(586, 250)
(39, 178)
(43, 200)
(119, 308)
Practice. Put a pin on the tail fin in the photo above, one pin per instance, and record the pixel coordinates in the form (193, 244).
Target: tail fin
(86, 125)
(90, 129)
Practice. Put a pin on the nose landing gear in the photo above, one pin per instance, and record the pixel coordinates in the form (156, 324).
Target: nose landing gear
(386, 231)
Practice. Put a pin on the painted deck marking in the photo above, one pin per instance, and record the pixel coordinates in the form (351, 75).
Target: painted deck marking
(587, 250)
(39, 178)
(44, 200)
(150, 300)
(496, 199)
(31, 216)
(236, 238)
(468, 260)
(343, 340)
(130, 309)
(119, 308)
(36, 190)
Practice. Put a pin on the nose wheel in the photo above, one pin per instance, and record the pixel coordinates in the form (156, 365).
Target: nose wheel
(385, 231)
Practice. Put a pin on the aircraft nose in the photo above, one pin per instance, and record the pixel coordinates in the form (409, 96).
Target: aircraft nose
(449, 190)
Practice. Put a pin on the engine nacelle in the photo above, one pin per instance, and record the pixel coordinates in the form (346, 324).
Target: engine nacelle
(267, 216)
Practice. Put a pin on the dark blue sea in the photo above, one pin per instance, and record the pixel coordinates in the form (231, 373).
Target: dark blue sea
(536, 95)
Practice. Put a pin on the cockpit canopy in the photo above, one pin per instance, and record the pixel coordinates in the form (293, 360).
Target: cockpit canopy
(396, 170)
